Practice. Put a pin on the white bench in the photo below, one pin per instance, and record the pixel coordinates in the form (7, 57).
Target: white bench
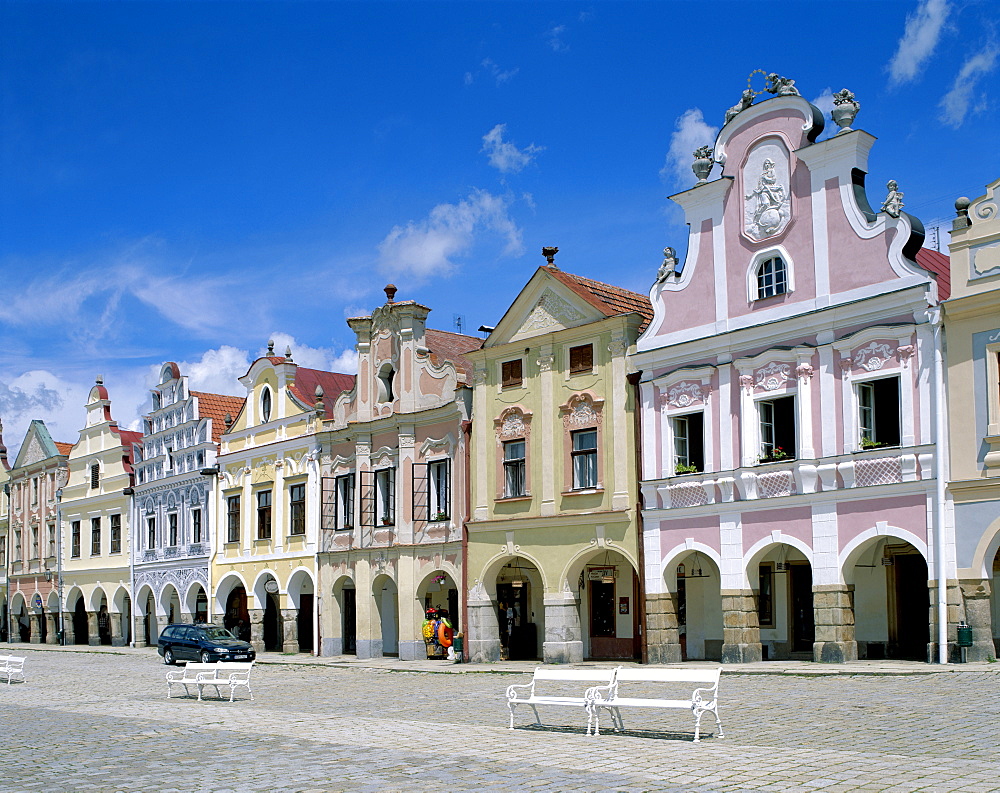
(224, 673)
(701, 701)
(529, 694)
(11, 666)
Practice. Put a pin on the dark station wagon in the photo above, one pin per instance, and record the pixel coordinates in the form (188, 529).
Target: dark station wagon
(205, 643)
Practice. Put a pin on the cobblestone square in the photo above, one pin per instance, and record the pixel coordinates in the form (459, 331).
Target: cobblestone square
(93, 721)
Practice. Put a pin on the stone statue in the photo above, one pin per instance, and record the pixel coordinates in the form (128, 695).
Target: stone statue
(781, 86)
(745, 101)
(669, 266)
(893, 203)
(845, 108)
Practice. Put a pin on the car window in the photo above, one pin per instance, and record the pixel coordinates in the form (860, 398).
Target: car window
(215, 632)
(168, 633)
(189, 634)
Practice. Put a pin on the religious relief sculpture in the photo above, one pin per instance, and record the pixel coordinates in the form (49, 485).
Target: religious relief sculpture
(669, 266)
(768, 206)
(781, 86)
(893, 203)
(745, 101)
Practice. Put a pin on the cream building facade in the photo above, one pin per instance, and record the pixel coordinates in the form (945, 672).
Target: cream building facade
(267, 528)
(4, 519)
(972, 327)
(96, 562)
(553, 557)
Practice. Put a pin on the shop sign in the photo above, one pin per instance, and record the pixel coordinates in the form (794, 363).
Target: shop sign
(601, 573)
(37, 601)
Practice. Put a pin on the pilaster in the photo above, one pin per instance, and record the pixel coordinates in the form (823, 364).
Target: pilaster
(563, 643)
(663, 636)
(833, 613)
(740, 628)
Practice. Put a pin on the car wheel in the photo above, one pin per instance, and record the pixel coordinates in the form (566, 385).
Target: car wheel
(205, 657)
(168, 656)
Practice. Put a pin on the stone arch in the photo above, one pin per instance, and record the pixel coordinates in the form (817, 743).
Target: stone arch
(304, 628)
(341, 605)
(986, 551)
(851, 551)
(169, 603)
(689, 616)
(385, 615)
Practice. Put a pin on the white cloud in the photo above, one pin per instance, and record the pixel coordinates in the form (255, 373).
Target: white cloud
(690, 132)
(825, 102)
(217, 371)
(324, 358)
(500, 75)
(920, 38)
(469, 79)
(428, 247)
(554, 37)
(955, 105)
(504, 155)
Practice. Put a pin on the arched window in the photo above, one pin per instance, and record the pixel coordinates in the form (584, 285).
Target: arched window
(772, 277)
(385, 378)
(265, 405)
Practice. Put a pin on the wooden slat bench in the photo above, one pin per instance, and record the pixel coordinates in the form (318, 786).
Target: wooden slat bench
(700, 701)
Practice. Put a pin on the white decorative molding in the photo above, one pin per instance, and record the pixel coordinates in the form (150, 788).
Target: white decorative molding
(686, 393)
(512, 423)
(581, 410)
(873, 356)
(550, 310)
(773, 376)
(445, 445)
(767, 197)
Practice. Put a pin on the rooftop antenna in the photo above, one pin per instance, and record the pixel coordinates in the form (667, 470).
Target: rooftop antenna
(459, 322)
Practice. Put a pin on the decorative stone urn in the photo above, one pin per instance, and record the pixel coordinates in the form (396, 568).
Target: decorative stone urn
(703, 163)
(845, 108)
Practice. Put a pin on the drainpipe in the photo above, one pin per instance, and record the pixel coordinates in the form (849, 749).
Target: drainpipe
(464, 598)
(59, 532)
(941, 471)
(633, 380)
(130, 492)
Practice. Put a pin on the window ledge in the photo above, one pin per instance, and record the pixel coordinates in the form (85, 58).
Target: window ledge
(343, 528)
(886, 448)
(525, 497)
(262, 541)
(231, 544)
(582, 491)
(297, 534)
(785, 460)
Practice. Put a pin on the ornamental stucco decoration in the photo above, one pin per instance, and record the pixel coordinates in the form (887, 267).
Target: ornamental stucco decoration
(580, 412)
(512, 423)
(872, 356)
(846, 365)
(684, 394)
(905, 352)
(550, 310)
(617, 346)
(781, 86)
(545, 363)
(746, 99)
(773, 376)
(34, 453)
(804, 371)
(479, 376)
(746, 382)
(767, 207)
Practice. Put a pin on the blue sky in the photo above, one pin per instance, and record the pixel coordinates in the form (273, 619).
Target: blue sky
(183, 181)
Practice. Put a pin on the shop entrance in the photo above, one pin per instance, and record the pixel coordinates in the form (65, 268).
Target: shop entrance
(518, 637)
(272, 625)
(237, 618)
(350, 619)
(803, 623)
(304, 623)
(909, 632)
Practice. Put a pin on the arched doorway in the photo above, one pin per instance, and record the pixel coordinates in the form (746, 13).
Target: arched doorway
(80, 633)
(150, 626)
(891, 599)
(518, 600)
(697, 585)
(301, 596)
(345, 596)
(272, 623)
(237, 617)
(171, 602)
(781, 577)
(440, 592)
(200, 605)
(387, 611)
(103, 622)
(609, 616)
(24, 623)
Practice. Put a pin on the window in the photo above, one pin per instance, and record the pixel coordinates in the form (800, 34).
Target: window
(52, 541)
(172, 528)
(878, 413)
(345, 501)
(264, 515)
(689, 443)
(196, 525)
(35, 550)
(74, 543)
(95, 536)
(765, 595)
(34, 490)
(385, 378)
(581, 359)
(233, 519)
(297, 509)
(439, 473)
(772, 278)
(265, 405)
(777, 429)
(514, 480)
(95, 476)
(116, 534)
(584, 459)
(510, 374)
(385, 482)
(151, 532)
(17, 546)
(169, 464)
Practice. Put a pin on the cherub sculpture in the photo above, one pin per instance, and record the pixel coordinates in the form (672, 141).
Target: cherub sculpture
(781, 86)
(745, 101)
(893, 203)
(669, 266)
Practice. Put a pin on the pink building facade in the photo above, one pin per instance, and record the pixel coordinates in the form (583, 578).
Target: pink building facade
(788, 401)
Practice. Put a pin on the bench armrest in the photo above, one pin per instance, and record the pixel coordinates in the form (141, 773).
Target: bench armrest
(696, 695)
(600, 693)
(512, 694)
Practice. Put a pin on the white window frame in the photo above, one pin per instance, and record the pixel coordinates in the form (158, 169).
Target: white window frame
(438, 504)
(523, 468)
(757, 261)
(385, 496)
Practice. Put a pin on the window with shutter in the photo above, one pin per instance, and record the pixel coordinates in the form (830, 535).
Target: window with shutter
(581, 359)
(511, 374)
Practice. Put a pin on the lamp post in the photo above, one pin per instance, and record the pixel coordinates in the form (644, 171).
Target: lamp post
(59, 582)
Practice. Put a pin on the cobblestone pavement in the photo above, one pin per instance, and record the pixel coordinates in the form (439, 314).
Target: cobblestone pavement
(102, 722)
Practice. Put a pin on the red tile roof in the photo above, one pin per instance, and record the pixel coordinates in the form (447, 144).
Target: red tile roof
(450, 346)
(611, 300)
(215, 407)
(64, 448)
(940, 265)
(333, 384)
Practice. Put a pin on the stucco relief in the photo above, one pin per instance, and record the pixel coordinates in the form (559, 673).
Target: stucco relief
(873, 356)
(180, 578)
(512, 423)
(767, 195)
(773, 376)
(685, 393)
(580, 411)
(550, 310)
(34, 452)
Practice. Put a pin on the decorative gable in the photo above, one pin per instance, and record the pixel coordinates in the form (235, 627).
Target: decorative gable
(550, 311)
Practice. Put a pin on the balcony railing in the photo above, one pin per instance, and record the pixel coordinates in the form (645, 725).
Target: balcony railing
(792, 477)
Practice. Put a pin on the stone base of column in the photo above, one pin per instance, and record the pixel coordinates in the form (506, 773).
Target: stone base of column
(563, 642)
(740, 628)
(483, 636)
(833, 610)
(976, 594)
(257, 629)
(289, 630)
(331, 647)
(139, 631)
(412, 650)
(663, 639)
(369, 648)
